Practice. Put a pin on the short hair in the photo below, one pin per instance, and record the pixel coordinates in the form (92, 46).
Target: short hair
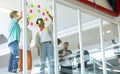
(59, 41)
(40, 20)
(66, 43)
(12, 14)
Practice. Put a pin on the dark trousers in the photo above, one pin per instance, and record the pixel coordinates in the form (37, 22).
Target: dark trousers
(79, 65)
(66, 70)
(112, 3)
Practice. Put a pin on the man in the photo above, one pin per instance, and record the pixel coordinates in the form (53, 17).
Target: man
(44, 42)
(13, 40)
(66, 66)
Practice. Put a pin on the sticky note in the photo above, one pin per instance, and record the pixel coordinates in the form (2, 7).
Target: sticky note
(38, 5)
(39, 11)
(31, 11)
(43, 14)
(43, 21)
(47, 15)
(45, 9)
(46, 19)
(37, 25)
(28, 18)
(31, 16)
(32, 5)
(45, 29)
(31, 23)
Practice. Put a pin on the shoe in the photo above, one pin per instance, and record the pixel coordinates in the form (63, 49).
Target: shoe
(14, 71)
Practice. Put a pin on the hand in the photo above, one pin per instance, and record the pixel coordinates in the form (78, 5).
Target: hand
(64, 52)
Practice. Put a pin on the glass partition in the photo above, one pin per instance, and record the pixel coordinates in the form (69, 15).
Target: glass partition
(111, 47)
(91, 44)
(68, 33)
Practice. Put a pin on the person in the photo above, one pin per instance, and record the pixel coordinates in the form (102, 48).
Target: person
(116, 50)
(112, 3)
(29, 55)
(13, 40)
(65, 63)
(86, 58)
(44, 42)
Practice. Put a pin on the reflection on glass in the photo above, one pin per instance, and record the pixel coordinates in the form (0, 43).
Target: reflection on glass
(111, 47)
(91, 44)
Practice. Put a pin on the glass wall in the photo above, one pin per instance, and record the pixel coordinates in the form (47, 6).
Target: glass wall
(91, 43)
(68, 33)
(71, 40)
(111, 47)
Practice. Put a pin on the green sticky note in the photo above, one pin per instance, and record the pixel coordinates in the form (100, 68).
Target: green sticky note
(28, 18)
(39, 11)
(43, 21)
(32, 5)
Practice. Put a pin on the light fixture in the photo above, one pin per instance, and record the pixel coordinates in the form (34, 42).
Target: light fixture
(6, 10)
(108, 31)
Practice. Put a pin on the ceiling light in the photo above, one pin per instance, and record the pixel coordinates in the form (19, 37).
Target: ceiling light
(5, 10)
(59, 45)
(108, 31)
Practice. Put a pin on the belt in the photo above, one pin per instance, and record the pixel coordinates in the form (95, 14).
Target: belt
(46, 42)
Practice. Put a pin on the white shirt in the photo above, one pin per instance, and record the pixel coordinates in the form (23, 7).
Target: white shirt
(29, 38)
(45, 36)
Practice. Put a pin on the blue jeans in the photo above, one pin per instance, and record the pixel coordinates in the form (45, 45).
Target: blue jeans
(47, 51)
(14, 55)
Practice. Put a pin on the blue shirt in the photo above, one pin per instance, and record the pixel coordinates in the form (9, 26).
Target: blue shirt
(13, 31)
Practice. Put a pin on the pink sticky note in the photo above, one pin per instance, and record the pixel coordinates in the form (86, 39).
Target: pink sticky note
(31, 23)
(46, 19)
(43, 14)
(31, 11)
(38, 5)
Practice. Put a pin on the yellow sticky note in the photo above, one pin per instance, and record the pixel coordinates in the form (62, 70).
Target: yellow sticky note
(32, 16)
(37, 25)
(45, 9)
(45, 29)
(47, 15)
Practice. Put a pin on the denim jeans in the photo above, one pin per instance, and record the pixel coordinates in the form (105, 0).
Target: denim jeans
(47, 51)
(13, 60)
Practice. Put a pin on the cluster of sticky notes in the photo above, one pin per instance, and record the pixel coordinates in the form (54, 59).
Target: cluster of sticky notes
(31, 16)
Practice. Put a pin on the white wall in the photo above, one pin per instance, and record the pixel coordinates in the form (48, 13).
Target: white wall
(4, 22)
